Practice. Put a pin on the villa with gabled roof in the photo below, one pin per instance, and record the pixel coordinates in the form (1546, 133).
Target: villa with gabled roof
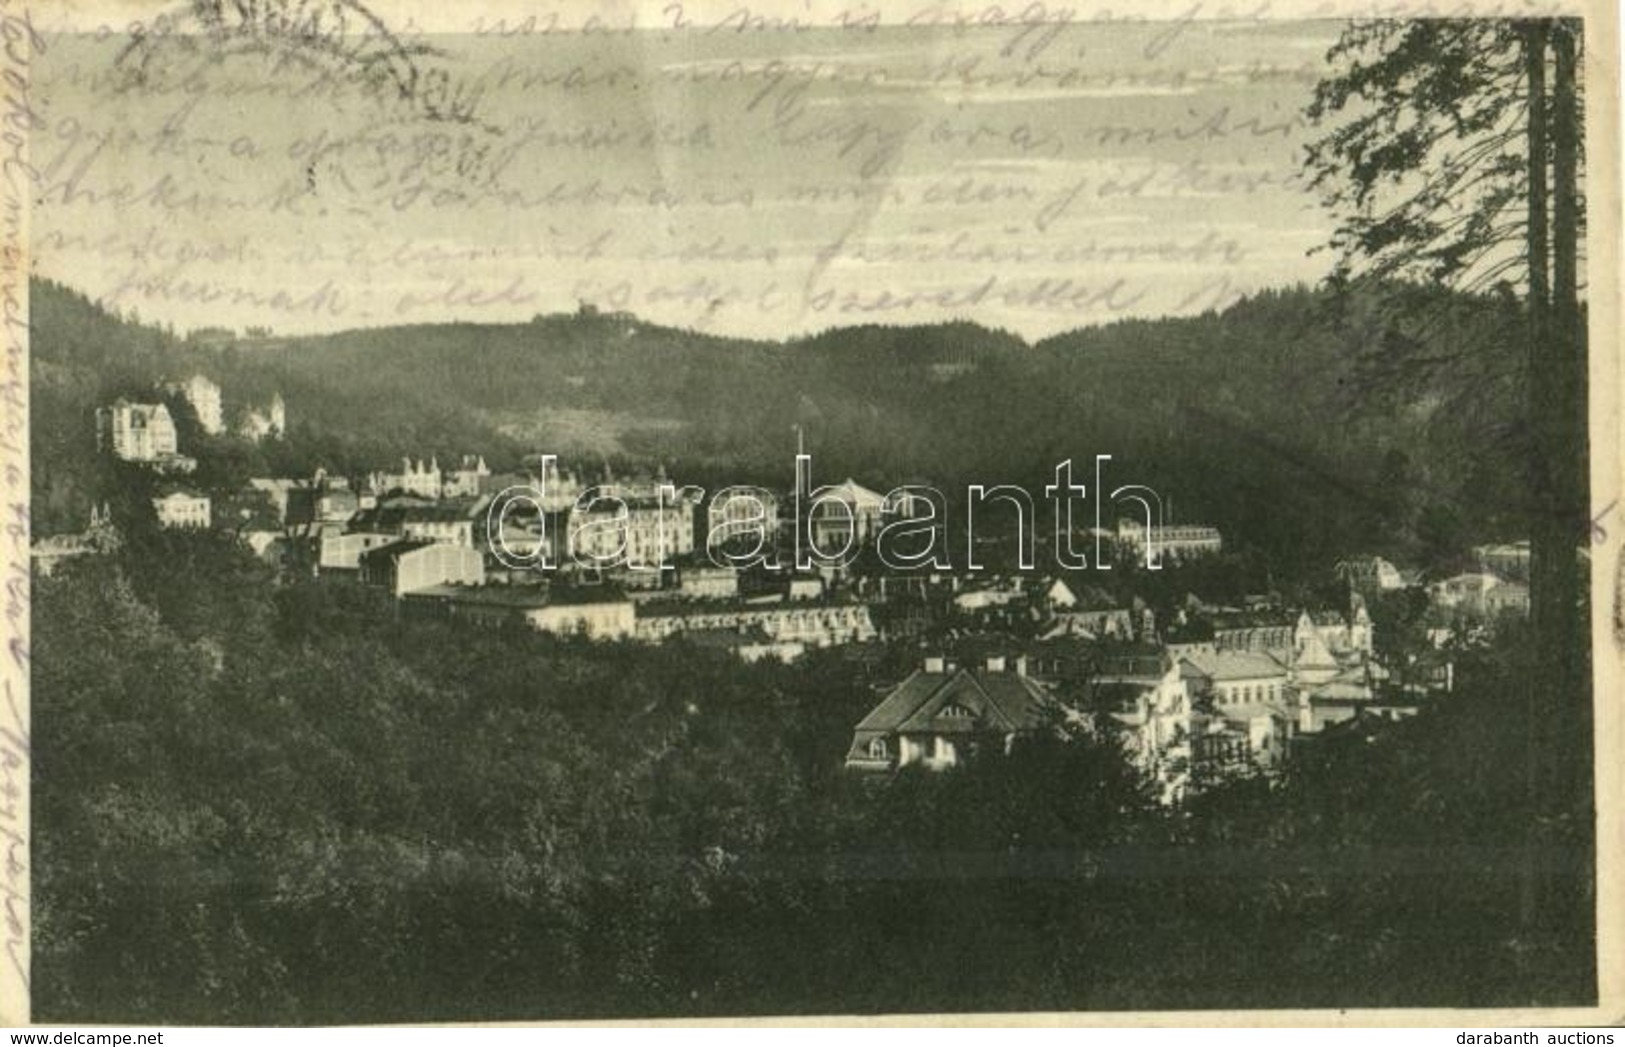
(941, 716)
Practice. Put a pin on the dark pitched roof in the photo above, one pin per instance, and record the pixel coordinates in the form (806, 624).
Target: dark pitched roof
(1231, 665)
(1136, 665)
(1094, 598)
(976, 648)
(395, 549)
(1197, 630)
(393, 517)
(1108, 657)
(1259, 618)
(1117, 695)
(1005, 702)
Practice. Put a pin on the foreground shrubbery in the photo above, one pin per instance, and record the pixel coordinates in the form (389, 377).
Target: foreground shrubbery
(262, 804)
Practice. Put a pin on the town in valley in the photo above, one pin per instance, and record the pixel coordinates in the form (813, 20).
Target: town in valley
(1194, 686)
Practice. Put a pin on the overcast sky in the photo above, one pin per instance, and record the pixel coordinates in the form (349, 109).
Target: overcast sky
(758, 184)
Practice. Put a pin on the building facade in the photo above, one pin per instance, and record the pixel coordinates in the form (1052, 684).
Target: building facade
(204, 396)
(269, 424)
(610, 531)
(416, 477)
(605, 618)
(1168, 542)
(741, 516)
(842, 516)
(408, 565)
(342, 552)
(182, 509)
(940, 717)
(1236, 677)
(137, 432)
(820, 625)
(467, 480)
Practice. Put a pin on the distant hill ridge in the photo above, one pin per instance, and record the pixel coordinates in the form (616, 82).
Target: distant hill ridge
(1263, 418)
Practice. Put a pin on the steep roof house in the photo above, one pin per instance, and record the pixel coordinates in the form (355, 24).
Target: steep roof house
(941, 716)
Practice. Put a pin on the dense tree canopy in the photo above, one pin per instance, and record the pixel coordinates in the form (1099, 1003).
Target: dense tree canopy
(266, 799)
(1256, 420)
(1452, 154)
(267, 803)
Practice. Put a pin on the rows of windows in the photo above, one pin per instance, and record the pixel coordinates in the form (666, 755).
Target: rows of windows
(1259, 692)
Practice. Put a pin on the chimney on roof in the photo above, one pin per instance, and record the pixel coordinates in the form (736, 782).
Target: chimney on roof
(995, 663)
(1021, 665)
(936, 664)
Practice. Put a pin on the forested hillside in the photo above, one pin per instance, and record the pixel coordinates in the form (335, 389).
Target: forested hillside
(278, 800)
(292, 805)
(1301, 425)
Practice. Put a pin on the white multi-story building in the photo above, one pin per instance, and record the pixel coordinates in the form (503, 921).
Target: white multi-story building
(606, 618)
(181, 509)
(845, 515)
(136, 432)
(445, 524)
(271, 423)
(410, 564)
(1237, 677)
(416, 477)
(100, 536)
(465, 481)
(1171, 541)
(342, 552)
(1508, 560)
(1480, 594)
(610, 531)
(1347, 636)
(1371, 573)
(459, 522)
(204, 396)
(744, 514)
(1146, 694)
(559, 490)
(708, 583)
(1249, 702)
(823, 625)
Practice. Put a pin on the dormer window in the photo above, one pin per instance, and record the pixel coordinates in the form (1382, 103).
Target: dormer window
(878, 749)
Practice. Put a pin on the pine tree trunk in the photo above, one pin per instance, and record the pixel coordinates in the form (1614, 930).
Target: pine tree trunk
(1540, 401)
(1570, 429)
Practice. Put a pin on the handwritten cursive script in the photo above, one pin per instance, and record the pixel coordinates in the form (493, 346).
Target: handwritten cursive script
(21, 45)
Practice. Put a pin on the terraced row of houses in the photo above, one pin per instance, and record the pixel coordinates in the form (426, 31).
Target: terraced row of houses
(1185, 711)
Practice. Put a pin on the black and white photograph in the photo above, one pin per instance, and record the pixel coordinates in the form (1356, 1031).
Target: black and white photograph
(570, 512)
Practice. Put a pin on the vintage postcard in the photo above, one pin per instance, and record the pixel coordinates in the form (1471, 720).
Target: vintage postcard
(544, 511)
